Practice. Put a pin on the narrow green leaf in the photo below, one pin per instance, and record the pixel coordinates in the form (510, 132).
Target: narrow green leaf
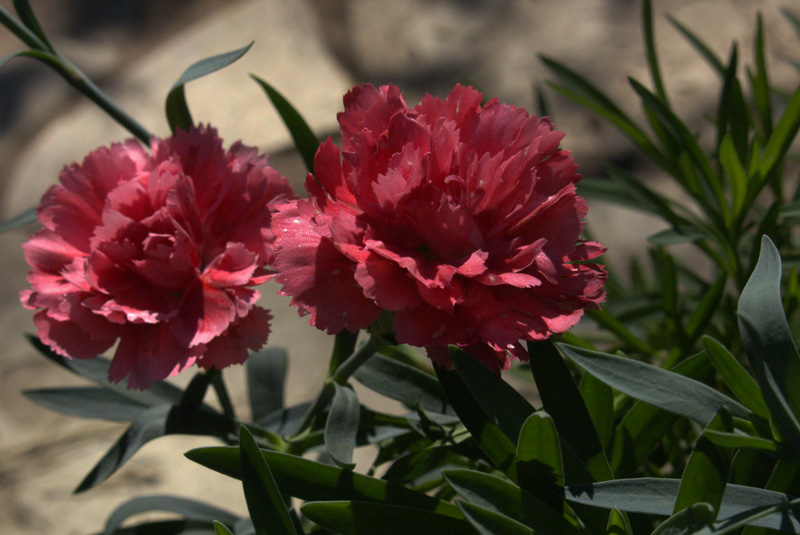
(656, 496)
(706, 308)
(672, 236)
(741, 440)
(599, 400)
(563, 402)
(28, 18)
(732, 116)
(618, 524)
(312, 481)
(737, 176)
(781, 138)
(644, 425)
(20, 220)
(492, 440)
(402, 382)
(736, 377)
(304, 139)
(417, 464)
(169, 527)
(149, 425)
(357, 518)
(96, 370)
(607, 320)
(488, 522)
(266, 375)
(650, 46)
(707, 470)
(504, 406)
(190, 509)
(504, 498)
(540, 468)
(221, 529)
(578, 89)
(88, 402)
(688, 520)
(706, 52)
(679, 129)
(769, 344)
(662, 388)
(178, 115)
(341, 426)
(264, 502)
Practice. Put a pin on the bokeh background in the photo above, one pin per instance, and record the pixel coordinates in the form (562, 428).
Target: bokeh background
(313, 51)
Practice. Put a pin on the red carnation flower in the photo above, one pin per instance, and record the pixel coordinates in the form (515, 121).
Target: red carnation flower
(159, 251)
(461, 219)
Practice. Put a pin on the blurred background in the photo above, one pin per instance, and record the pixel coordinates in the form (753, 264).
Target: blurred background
(312, 51)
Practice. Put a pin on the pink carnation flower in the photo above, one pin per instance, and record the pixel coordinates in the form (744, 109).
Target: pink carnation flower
(461, 219)
(158, 251)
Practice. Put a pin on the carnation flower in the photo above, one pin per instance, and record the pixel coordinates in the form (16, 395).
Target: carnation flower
(159, 251)
(460, 219)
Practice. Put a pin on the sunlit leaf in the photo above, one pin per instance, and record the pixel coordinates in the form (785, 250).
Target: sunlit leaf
(312, 481)
(264, 501)
(540, 468)
(687, 521)
(662, 388)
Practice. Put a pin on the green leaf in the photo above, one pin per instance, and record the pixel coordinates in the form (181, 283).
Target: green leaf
(578, 89)
(313, 481)
(643, 425)
(649, 41)
(709, 304)
(178, 115)
(20, 220)
(28, 18)
(563, 402)
(413, 466)
(707, 470)
(741, 440)
(357, 518)
(221, 529)
(700, 46)
(402, 382)
(266, 375)
(736, 377)
(189, 509)
(737, 176)
(504, 498)
(732, 117)
(656, 496)
(540, 468)
(169, 527)
(88, 402)
(769, 344)
(662, 388)
(96, 370)
(780, 140)
(609, 322)
(673, 236)
(488, 522)
(504, 406)
(341, 426)
(492, 440)
(304, 139)
(599, 400)
(264, 501)
(688, 141)
(150, 424)
(618, 524)
(688, 520)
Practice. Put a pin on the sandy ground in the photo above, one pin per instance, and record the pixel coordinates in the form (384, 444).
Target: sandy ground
(313, 51)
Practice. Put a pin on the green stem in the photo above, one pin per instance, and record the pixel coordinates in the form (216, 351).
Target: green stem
(75, 77)
(222, 394)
